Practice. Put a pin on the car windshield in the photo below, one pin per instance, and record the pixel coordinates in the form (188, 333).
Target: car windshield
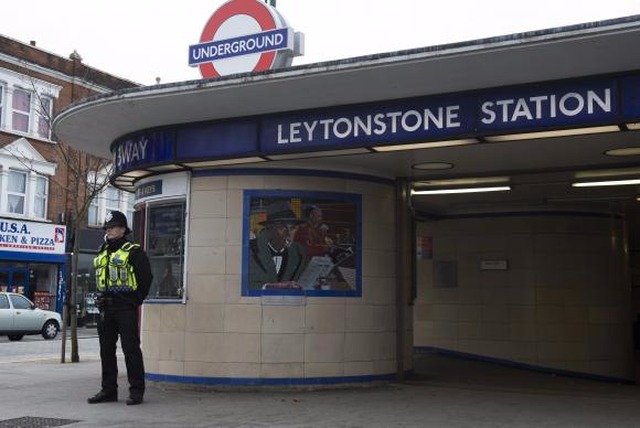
(20, 302)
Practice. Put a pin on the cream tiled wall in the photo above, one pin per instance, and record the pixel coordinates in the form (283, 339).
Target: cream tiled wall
(220, 333)
(564, 302)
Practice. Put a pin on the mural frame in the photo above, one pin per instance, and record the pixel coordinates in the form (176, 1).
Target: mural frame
(335, 273)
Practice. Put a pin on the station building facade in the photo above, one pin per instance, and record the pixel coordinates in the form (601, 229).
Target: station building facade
(220, 166)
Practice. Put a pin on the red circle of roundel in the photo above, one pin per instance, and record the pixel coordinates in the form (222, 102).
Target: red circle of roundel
(254, 9)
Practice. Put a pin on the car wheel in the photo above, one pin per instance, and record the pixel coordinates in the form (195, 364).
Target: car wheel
(50, 329)
(15, 337)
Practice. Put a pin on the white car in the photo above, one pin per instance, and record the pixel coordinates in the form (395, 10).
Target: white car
(20, 316)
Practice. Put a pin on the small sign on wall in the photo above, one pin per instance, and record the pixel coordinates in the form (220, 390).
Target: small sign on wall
(494, 265)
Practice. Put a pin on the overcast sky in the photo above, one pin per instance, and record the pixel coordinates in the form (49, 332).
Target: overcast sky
(144, 39)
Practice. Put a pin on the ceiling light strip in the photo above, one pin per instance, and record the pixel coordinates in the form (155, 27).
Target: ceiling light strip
(551, 134)
(427, 145)
(607, 183)
(461, 190)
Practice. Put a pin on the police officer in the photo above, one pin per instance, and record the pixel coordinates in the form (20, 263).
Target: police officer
(123, 277)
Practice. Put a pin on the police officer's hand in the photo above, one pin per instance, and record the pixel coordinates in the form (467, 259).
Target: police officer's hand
(100, 303)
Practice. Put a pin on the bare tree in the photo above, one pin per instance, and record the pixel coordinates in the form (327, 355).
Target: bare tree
(85, 183)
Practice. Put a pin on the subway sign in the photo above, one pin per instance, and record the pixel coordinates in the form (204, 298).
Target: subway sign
(532, 108)
(244, 36)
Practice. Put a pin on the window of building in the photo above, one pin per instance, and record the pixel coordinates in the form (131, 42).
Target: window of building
(21, 106)
(164, 232)
(112, 199)
(17, 189)
(109, 199)
(40, 200)
(2, 91)
(130, 197)
(44, 117)
(94, 209)
(24, 193)
(26, 104)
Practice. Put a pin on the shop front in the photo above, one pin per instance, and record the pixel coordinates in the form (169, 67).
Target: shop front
(33, 261)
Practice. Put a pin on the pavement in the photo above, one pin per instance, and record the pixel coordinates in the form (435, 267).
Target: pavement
(445, 392)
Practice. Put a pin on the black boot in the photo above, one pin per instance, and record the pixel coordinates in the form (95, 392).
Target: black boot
(103, 397)
(133, 400)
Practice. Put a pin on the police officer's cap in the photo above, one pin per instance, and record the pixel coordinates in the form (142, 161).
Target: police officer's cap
(116, 218)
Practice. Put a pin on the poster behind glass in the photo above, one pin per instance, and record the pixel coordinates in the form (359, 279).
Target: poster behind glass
(165, 248)
(301, 243)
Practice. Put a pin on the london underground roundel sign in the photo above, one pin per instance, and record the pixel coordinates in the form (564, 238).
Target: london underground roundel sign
(244, 36)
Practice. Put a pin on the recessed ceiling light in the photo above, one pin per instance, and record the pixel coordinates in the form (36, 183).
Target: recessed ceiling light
(626, 151)
(432, 166)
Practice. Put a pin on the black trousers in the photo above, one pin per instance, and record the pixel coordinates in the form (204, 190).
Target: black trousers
(123, 322)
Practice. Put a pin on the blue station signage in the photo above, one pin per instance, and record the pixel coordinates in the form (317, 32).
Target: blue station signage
(531, 108)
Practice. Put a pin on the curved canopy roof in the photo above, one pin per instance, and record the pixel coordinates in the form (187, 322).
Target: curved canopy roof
(543, 167)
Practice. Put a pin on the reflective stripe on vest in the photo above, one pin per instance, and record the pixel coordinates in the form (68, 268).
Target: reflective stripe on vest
(114, 272)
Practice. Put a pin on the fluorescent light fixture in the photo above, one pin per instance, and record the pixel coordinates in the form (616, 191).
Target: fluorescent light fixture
(306, 155)
(223, 162)
(608, 173)
(426, 145)
(124, 184)
(432, 166)
(633, 126)
(161, 168)
(625, 151)
(471, 181)
(607, 183)
(551, 134)
(135, 174)
(461, 190)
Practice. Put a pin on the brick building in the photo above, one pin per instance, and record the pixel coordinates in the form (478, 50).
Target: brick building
(35, 200)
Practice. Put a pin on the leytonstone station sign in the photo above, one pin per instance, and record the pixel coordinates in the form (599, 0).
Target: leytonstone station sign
(245, 36)
(596, 102)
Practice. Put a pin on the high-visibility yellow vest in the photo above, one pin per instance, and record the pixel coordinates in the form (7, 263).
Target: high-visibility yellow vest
(114, 272)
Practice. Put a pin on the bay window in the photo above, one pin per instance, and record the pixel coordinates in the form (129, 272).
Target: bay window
(26, 104)
(24, 192)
